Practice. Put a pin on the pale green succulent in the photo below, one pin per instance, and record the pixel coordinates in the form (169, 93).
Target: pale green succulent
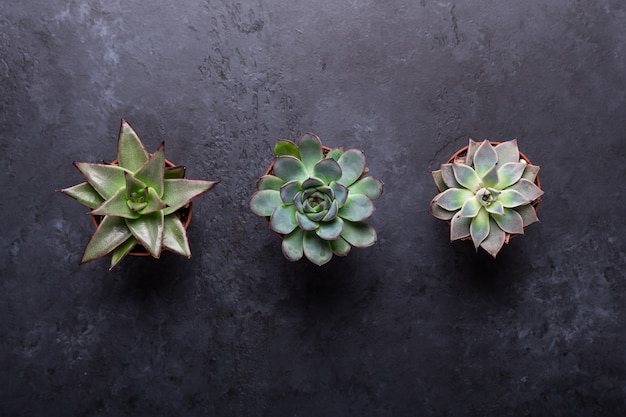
(317, 202)
(138, 201)
(488, 195)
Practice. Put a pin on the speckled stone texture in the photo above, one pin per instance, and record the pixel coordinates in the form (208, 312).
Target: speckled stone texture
(413, 326)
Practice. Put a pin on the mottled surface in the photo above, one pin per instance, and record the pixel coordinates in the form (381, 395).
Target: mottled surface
(412, 326)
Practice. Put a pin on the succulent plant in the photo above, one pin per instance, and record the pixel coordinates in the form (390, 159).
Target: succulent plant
(317, 199)
(137, 199)
(487, 195)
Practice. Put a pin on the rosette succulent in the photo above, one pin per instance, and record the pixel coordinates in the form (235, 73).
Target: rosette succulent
(317, 199)
(487, 195)
(137, 201)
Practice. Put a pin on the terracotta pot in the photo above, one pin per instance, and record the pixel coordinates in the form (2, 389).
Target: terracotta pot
(460, 157)
(183, 213)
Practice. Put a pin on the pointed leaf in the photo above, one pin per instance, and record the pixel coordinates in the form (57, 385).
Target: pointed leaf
(292, 245)
(269, 182)
(340, 247)
(369, 186)
(177, 193)
(148, 230)
(122, 250)
(327, 170)
(357, 207)
(154, 203)
(471, 150)
(358, 234)
(485, 158)
(479, 227)
(511, 198)
(439, 182)
(528, 213)
(470, 207)
(85, 194)
(305, 223)
(333, 211)
(316, 249)
(290, 168)
(286, 147)
(340, 192)
(175, 236)
(439, 212)
(105, 179)
(116, 206)
(466, 176)
(460, 227)
(493, 243)
(507, 152)
(527, 189)
(289, 190)
(173, 173)
(510, 221)
(510, 173)
(111, 233)
(264, 202)
(131, 154)
(310, 151)
(133, 185)
(495, 208)
(330, 230)
(530, 173)
(453, 198)
(352, 164)
(447, 173)
(153, 171)
(490, 178)
(283, 219)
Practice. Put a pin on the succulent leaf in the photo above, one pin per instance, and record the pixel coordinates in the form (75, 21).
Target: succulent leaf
(485, 158)
(289, 190)
(290, 168)
(466, 176)
(335, 154)
(131, 154)
(439, 182)
(452, 198)
(178, 193)
(148, 230)
(286, 147)
(327, 170)
(153, 171)
(111, 233)
(310, 151)
(105, 179)
(370, 186)
(340, 192)
(509, 174)
(122, 250)
(85, 194)
(447, 173)
(527, 188)
(471, 151)
(490, 179)
(270, 182)
(494, 241)
(495, 208)
(479, 227)
(292, 245)
(305, 223)
(530, 173)
(154, 203)
(330, 230)
(283, 219)
(511, 198)
(358, 234)
(510, 221)
(439, 212)
(173, 173)
(312, 182)
(358, 207)
(460, 227)
(117, 206)
(263, 202)
(352, 164)
(528, 213)
(175, 236)
(340, 247)
(507, 152)
(333, 211)
(316, 249)
(470, 207)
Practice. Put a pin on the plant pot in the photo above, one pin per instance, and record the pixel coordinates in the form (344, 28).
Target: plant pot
(460, 155)
(184, 214)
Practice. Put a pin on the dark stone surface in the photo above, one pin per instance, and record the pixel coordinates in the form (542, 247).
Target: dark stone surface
(412, 326)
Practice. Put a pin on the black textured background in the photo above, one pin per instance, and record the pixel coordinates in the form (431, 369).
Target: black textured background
(414, 326)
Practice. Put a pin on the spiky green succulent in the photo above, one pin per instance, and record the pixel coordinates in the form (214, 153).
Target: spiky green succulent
(318, 202)
(488, 195)
(137, 201)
